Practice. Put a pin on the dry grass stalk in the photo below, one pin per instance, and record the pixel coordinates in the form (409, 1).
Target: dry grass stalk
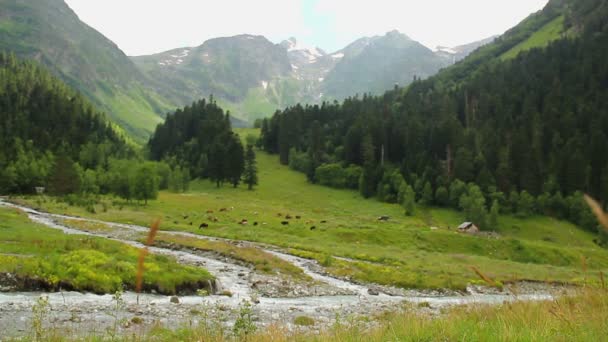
(584, 267)
(142, 254)
(484, 277)
(598, 211)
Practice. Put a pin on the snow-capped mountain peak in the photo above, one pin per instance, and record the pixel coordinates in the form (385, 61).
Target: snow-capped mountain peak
(311, 54)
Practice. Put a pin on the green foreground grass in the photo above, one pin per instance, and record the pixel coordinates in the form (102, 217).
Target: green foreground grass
(54, 260)
(403, 252)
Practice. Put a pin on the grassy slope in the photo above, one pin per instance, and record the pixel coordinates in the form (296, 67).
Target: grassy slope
(540, 39)
(51, 33)
(403, 252)
(81, 262)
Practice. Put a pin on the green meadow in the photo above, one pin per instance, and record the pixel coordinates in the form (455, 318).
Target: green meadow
(53, 260)
(341, 230)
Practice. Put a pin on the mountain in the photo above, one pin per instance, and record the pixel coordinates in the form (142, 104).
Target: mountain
(520, 125)
(374, 65)
(247, 74)
(458, 53)
(49, 32)
(251, 76)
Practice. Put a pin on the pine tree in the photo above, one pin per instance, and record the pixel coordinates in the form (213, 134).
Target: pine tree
(494, 214)
(64, 177)
(427, 194)
(250, 176)
(315, 152)
(235, 160)
(367, 182)
(409, 199)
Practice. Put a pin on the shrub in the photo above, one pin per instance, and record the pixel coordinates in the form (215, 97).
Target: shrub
(304, 321)
(332, 175)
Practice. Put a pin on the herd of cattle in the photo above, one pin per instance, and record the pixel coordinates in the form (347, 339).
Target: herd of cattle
(244, 222)
(287, 218)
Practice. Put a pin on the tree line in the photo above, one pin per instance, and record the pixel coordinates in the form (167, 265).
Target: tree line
(52, 138)
(200, 139)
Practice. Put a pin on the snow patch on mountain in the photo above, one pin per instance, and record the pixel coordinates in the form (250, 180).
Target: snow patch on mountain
(446, 49)
(175, 59)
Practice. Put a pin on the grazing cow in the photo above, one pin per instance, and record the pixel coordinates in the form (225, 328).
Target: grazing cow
(191, 223)
(285, 223)
(384, 218)
(209, 211)
(313, 228)
(244, 222)
(288, 217)
(203, 225)
(186, 217)
(223, 210)
(175, 222)
(279, 214)
(298, 217)
(323, 221)
(255, 224)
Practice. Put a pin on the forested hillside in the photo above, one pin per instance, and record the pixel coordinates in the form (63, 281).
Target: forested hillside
(51, 137)
(526, 133)
(41, 119)
(49, 32)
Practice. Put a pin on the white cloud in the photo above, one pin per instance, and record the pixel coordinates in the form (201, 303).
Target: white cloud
(144, 26)
(148, 26)
(432, 22)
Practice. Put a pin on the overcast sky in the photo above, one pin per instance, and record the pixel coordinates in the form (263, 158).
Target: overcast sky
(150, 26)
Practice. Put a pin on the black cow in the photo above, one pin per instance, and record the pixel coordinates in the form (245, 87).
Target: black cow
(203, 225)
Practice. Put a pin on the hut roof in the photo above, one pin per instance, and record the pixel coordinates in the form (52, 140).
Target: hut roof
(465, 225)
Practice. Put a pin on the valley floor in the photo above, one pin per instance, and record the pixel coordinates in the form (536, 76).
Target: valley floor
(310, 260)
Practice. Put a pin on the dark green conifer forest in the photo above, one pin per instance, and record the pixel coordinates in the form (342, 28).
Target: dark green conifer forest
(525, 135)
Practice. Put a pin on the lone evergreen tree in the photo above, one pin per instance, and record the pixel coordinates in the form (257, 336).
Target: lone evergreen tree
(235, 161)
(250, 176)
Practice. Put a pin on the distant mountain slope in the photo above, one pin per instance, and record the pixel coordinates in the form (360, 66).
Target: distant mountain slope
(242, 72)
(458, 53)
(536, 31)
(252, 77)
(374, 65)
(50, 32)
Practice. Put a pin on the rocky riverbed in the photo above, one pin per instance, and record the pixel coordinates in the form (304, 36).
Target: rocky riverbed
(272, 300)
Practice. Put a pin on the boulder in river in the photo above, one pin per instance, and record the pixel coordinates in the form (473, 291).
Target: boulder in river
(175, 300)
(373, 292)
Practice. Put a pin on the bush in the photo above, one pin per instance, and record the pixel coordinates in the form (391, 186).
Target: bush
(332, 175)
(298, 161)
(304, 321)
(353, 174)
